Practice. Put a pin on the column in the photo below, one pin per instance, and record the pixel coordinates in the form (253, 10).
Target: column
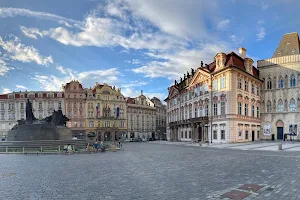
(193, 131)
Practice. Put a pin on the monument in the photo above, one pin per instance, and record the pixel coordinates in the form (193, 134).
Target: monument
(50, 128)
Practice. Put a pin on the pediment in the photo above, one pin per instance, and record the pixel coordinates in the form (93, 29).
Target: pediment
(173, 92)
(199, 76)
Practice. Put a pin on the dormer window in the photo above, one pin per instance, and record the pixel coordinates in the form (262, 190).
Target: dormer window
(59, 95)
(21, 95)
(40, 95)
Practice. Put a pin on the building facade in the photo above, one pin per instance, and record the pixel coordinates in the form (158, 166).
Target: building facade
(281, 89)
(75, 96)
(161, 118)
(217, 103)
(106, 113)
(141, 115)
(13, 106)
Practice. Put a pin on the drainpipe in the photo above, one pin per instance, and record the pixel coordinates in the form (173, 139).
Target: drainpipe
(211, 106)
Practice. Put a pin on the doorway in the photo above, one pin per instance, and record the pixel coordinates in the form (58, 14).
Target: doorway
(253, 135)
(200, 133)
(279, 133)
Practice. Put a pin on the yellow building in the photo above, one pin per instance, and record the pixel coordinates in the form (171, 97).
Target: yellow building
(106, 114)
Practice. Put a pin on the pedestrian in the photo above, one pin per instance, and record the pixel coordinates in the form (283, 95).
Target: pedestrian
(96, 146)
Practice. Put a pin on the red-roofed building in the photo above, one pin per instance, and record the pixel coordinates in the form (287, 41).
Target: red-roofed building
(216, 103)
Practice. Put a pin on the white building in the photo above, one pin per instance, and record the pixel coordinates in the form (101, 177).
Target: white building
(13, 107)
(281, 89)
(161, 118)
(141, 117)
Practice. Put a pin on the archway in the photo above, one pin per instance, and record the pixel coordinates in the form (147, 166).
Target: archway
(279, 125)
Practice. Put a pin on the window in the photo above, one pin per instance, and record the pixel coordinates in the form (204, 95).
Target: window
(190, 134)
(222, 108)
(269, 106)
(215, 109)
(195, 92)
(215, 135)
(2, 106)
(239, 83)
(190, 95)
(246, 109)
(292, 105)
(107, 124)
(257, 91)
(186, 134)
(200, 112)
(2, 115)
(246, 85)
(69, 113)
(240, 134)
(91, 123)
(246, 134)
(22, 106)
(222, 134)
(206, 110)
(80, 105)
(269, 84)
(181, 134)
(206, 88)
(74, 96)
(253, 89)
(215, 85)
(239, 108)
(185, 113)
(223, 82)
(40, 105)
(59, 105)
(196, 112)
(280, 106)
(257, 111)
(280, 82)
(292, 81)
(200, 90)
(253, 111)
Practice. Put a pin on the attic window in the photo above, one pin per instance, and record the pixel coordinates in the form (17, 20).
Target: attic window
(279, 52)
(288, 43)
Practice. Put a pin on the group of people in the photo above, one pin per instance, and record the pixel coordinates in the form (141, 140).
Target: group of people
(68, 149)
(95, 147)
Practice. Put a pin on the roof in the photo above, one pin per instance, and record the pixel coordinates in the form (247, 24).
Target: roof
(289, 45)
(130, 100)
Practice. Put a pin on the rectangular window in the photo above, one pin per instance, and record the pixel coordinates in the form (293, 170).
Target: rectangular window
(253, 89)
(206, 88)
(22, 106)
(190, 113)
(190, 134)
(222, 108)
(246, 109)
(239, 83)
(215, 109)
(223, 82)
(246, 85)
(196, 92)
(196, 112)
(91, 124)
(182, 134)
(200, 90)
(2, 106)
(257, 111)
(200, 111)
(239, 108)
(69, 113)
(246, 134)
(190, 95)
(257, 91)
(206, 110)
(253, 111)
(215, 85)
(215, 135)
(222, 134)
(186, 134)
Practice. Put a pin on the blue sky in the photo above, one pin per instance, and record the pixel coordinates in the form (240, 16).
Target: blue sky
(133, 44)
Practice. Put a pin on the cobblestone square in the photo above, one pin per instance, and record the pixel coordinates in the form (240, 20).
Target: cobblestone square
(151, 171)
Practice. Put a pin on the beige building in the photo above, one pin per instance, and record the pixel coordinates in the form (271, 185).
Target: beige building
(141, 114)
(223, 95)
(13, 107)
(161, 118)
(280, 108)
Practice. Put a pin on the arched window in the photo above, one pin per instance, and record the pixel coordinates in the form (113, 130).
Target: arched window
(292, 105)
(292, 81)
(269, 106)
(280, 106)
(269, 84)
(280, 82)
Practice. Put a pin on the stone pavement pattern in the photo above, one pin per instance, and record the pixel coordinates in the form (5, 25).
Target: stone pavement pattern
(150, 171)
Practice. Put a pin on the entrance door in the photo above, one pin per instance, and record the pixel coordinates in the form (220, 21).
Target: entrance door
(200, 133)
(279, 133)
(253, 135)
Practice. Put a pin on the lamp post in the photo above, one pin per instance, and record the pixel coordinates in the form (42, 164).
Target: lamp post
(211, 101)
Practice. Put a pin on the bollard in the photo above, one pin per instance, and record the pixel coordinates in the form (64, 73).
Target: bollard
(59, 149)
(279, 146)
(41, 149)
(23, 150)
(200, 144)
(7, 150)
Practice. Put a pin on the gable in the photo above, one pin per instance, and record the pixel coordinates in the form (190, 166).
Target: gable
(173, 92)
(199, 76)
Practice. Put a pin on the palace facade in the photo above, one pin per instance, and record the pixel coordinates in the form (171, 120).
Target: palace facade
(216, 103)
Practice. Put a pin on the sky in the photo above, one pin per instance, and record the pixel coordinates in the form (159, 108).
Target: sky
(131, 44)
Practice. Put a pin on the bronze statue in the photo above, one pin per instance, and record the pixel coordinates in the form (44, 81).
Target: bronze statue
(29, 114)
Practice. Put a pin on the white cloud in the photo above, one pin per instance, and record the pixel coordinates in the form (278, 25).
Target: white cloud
(13, 12)
(260, 21)
(261, 33)
(5, 90)
(52, 82)
(264, 6)
(129, 92)
(4, 68)
(134, 61)
(173, 65)
(31, 32)
(222, 25)
(236, 40)
(134, 84)
(18, 51)
(22, 87)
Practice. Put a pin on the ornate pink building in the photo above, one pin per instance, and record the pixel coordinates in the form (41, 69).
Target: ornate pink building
(75, 97)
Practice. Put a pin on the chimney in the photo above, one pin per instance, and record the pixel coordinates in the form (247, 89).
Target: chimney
(242, 52)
